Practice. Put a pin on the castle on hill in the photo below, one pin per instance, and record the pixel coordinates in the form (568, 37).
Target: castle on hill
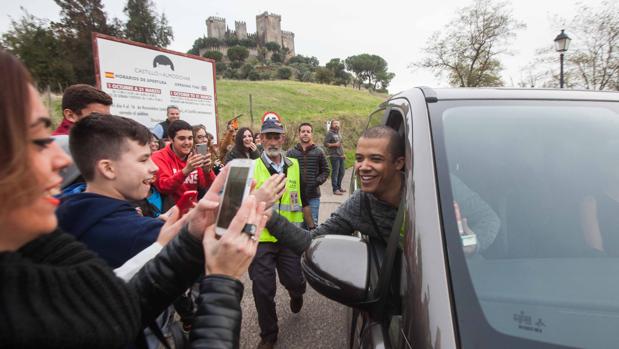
(268, 29)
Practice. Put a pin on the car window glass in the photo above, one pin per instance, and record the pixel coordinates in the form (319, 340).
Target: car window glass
(533, 192)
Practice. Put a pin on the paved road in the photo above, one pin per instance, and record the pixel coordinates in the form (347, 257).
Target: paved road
(320, 324)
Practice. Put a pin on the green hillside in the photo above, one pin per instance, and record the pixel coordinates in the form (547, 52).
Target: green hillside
(295, 101)
(298, 102)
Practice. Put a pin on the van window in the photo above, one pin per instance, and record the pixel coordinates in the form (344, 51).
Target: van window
(536, 184)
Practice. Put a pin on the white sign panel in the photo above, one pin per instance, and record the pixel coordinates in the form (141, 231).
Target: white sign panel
(144, 81)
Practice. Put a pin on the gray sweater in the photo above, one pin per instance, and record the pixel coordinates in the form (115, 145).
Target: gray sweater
(352, 215)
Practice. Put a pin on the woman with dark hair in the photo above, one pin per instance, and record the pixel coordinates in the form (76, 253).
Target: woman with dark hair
(244, 146)
(55, 293)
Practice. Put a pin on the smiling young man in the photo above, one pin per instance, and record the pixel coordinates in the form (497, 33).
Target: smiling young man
(379, 161)
(180, 169)
(113, 155)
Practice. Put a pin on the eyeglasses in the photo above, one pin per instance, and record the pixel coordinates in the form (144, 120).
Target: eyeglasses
(275, 136)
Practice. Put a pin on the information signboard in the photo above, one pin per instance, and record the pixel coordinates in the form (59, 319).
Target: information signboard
(144, 80)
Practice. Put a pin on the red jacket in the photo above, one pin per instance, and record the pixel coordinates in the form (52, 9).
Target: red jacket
(63, 128)
(170, 178)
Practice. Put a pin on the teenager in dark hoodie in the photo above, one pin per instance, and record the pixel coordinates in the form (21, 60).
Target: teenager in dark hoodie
(114, 158)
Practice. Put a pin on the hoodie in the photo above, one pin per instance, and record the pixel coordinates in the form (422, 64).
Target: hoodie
(170, 179)
(110, 227)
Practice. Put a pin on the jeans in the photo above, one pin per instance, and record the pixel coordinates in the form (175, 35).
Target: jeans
(337, 172)
(314, 204)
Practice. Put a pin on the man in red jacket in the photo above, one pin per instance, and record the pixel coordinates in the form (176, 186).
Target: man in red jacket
(180, 169)
(79, 101)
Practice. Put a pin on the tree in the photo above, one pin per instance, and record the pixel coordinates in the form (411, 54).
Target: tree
(594, 60)
(237, 55)
(32, 40)
(468, 47)
(300, 59)
(284, 73)
(272, 46)
(145, 26)
(78, 19)
(338, 68)
(214, 55)
(324, 75)
(367, 68)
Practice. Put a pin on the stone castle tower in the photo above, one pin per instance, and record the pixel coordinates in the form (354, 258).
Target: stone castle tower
(240, 28)
(268, 29)
(216, 27)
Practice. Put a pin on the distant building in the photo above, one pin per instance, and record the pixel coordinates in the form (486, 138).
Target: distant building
(268, 29)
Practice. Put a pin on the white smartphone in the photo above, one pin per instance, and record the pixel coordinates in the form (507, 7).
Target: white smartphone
(237, 187)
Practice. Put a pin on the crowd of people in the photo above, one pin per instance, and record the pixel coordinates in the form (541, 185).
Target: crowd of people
(94, 251)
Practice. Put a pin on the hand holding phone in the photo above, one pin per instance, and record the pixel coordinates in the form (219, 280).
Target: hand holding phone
(187, 201)
(237, 187)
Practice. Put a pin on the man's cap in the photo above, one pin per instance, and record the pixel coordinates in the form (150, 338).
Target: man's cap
(272, 126)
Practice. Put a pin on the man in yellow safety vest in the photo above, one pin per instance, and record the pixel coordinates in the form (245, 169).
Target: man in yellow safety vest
(271, 255)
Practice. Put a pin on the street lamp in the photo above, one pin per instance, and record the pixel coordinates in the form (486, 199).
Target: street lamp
(562, 43)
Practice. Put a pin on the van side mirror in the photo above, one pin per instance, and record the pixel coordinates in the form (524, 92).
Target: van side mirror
(336, 266)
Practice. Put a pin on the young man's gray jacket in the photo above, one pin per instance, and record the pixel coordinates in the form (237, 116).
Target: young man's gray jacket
(313, 167)
(354, 214)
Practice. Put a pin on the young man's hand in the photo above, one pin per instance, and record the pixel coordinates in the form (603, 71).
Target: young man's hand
(194, 161)
(206, 164)
(171, 227)
(233, 252)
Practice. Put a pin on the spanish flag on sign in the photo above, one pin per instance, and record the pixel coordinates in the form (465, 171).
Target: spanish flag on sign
(109, 74)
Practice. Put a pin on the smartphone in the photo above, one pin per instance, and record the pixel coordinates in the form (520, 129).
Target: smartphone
(186, 201)
(236, 188)
(202, 149)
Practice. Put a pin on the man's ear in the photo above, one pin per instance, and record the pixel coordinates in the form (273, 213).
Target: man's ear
(105, 168)
(70, 115)
(399, 163)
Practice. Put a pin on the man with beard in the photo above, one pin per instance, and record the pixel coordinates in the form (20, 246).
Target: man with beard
(271, 255)
(314, 172)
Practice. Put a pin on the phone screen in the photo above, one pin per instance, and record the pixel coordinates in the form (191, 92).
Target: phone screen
(233, 195)
(201, 148)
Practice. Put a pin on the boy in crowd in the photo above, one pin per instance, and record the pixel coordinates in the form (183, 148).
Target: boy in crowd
(79, 101)
(180, 168)
(113, 155)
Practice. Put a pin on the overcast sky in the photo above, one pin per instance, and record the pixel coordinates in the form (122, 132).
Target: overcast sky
(395, 30)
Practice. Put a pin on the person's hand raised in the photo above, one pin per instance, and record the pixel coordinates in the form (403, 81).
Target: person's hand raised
(271, 190)
(232, 253)
(194, 161)
(205, 212)
(172, 225)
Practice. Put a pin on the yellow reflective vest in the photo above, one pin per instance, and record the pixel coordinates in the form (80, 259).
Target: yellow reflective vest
(289, 206)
